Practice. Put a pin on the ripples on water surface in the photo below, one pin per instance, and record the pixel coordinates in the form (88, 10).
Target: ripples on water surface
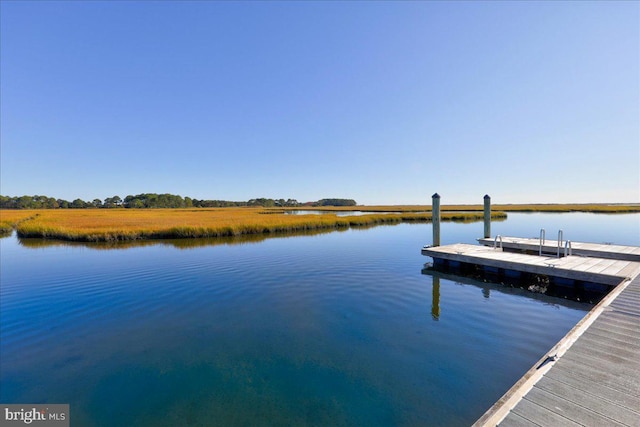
(333, 329)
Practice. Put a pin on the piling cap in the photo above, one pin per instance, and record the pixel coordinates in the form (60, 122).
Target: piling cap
(435, 196)
(486, 196)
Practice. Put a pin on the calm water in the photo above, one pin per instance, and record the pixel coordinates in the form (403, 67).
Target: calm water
(331, 329)
(339, 213)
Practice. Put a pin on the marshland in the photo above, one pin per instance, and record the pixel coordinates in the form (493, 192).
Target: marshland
(118, 224)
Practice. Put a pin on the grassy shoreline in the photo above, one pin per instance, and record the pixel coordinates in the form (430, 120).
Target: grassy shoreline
(109, 225)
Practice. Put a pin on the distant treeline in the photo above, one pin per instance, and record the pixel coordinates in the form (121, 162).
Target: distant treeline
(153, 200)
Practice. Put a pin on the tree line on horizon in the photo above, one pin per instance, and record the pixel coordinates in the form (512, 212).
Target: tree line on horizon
(153, 200)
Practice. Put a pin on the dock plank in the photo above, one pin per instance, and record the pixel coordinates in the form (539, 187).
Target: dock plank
(616, 338)
(616, 268)
(540, 415)
(616, 319)
(631, 270)
(603, 361)
(577, 369)
(597, 346)
(564, 407)
(627, 307)
(578, 262)
(606, 393)
(581, 401)
(581, 264)
(517, 421)
(602, 265)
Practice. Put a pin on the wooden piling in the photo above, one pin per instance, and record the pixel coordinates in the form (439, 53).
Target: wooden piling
(487, 216)
(435, 218)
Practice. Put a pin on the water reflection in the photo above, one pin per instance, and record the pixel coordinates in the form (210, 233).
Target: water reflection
(435, 298)
(349, 213)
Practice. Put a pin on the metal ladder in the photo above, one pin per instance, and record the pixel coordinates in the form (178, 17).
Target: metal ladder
(568, 250)
(559, 242)
(567, 245)
(495, 241)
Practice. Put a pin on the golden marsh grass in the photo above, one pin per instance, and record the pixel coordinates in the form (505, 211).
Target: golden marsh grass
(9, 219)
(135, 224)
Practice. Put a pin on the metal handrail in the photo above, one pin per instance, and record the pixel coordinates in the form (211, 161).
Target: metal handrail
(559, 241)
(495, 241)
(542, 239)
(567, 245)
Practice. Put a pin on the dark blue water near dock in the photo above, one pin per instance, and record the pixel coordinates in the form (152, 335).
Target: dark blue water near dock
(332, 329)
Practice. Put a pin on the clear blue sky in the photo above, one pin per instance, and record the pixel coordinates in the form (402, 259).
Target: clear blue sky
(382, 102)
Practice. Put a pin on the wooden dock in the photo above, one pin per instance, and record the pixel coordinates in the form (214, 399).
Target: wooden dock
(597, 250)
(592, 376)
(594, 379)
(597, 270)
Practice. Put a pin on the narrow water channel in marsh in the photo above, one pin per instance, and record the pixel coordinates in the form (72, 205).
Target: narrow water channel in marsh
(339, 328)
